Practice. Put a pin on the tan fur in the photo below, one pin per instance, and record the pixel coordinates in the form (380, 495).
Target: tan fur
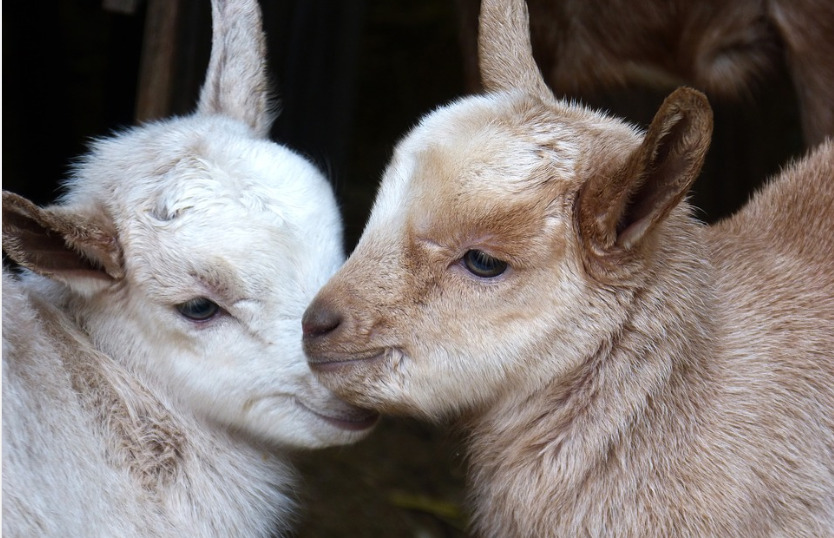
(632, 372)
(725, 48)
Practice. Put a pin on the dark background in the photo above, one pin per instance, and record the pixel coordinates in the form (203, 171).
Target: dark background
(353, 77)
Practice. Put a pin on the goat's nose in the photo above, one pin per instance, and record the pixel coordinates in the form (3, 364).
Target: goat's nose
(319, 320)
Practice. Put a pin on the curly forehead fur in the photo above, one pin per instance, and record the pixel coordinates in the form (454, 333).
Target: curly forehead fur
(193, 156)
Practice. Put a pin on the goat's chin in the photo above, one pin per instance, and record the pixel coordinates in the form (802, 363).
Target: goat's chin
(344, 417)
(304, 422)
(378, 381)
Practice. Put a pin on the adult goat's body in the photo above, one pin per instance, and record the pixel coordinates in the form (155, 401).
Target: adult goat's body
(530, 266)
(153, 376)
(727, 49)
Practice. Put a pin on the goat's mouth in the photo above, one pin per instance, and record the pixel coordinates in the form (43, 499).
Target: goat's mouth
(350, 418)
(335, 363)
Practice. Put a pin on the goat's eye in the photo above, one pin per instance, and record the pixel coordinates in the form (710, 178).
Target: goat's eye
(481, 264)
(199, 309)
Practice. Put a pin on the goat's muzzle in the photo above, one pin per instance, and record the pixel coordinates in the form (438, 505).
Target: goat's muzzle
(328, 338)
(320, 320)
(321, 327)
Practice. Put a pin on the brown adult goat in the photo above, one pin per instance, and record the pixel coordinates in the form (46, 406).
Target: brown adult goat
(727, 49)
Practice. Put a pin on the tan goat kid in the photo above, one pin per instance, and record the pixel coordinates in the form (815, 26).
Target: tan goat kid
(623, 370)
(153, 374)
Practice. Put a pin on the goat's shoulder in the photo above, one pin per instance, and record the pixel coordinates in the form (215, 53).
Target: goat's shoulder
(48, 353)
(792, 214)
(774, 257)
(31, 356)
(775, 278)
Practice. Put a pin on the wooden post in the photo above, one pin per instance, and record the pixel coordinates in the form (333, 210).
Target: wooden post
(159, 60)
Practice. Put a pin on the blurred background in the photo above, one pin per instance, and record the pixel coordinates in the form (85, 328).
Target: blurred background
(352, 77)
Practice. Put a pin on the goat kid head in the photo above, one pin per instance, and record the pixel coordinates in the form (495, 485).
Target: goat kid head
(506, 241)
(189, 248)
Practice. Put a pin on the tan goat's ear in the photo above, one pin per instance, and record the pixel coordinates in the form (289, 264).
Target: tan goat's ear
(504, 50)
(618, 212)
(236, 82)
(59, 244)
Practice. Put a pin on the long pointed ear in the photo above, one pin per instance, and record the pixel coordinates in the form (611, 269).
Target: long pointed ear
(504, 50)
(236, 81)
(619, 211)
(78, 250)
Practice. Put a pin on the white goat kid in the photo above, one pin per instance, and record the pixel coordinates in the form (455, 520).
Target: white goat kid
(623, 370)
(152, 364)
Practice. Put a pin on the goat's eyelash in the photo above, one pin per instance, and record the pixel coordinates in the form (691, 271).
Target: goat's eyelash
(483, 265)
(199, 309)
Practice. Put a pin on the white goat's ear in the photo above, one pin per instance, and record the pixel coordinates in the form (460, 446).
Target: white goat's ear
(504, 49)
(236, 82)
(79, 250)
(615, 212)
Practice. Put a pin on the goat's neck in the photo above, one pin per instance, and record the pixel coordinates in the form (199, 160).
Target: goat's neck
(649, 370)
(169, 453)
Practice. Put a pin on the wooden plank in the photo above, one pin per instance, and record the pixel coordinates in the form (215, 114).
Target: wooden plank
(124, 7)
(158, 66)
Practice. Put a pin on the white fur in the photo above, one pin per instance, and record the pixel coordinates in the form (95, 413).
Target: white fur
(122, 416)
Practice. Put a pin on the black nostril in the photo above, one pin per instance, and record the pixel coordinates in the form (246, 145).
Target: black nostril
(319, 319)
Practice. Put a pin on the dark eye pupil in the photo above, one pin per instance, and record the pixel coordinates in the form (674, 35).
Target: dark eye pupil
(199, 309)
(481, 264)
